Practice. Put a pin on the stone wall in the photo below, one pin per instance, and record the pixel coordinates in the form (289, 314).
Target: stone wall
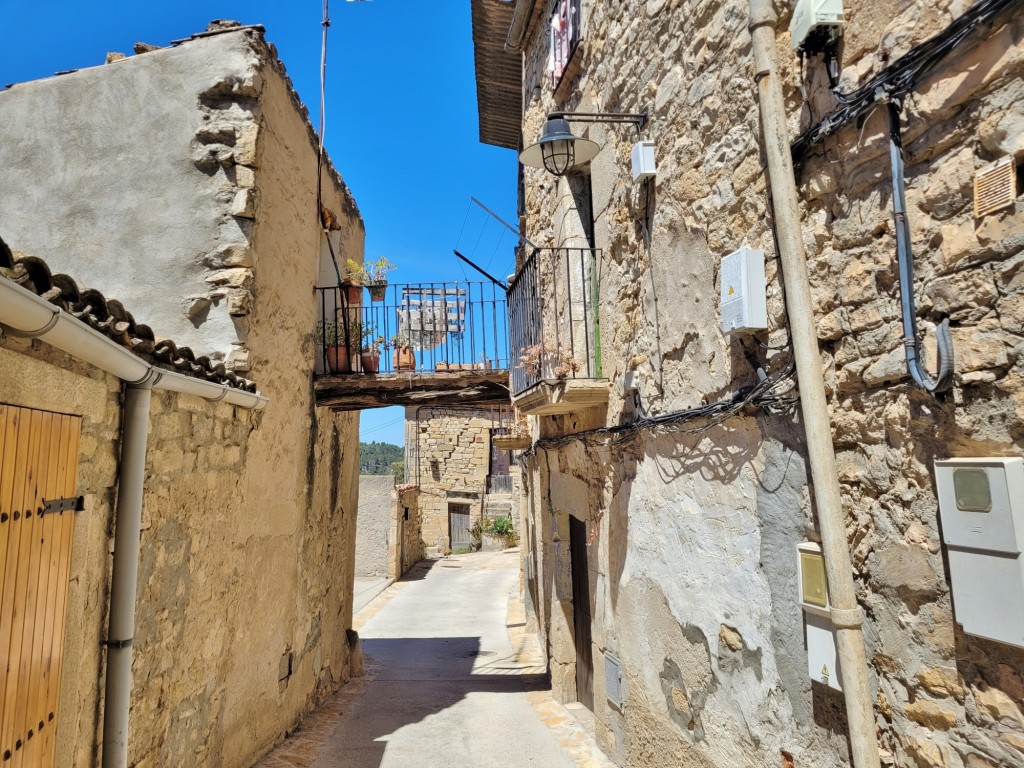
(245, 593)
(448, 457)
(374, 525)
(693, 553)
(407, 524)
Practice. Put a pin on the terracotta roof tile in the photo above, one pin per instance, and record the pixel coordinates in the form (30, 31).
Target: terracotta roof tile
(109, 317)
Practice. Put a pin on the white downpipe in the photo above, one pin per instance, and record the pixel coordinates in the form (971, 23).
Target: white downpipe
(124, 578)
(22, 313)
(847, 615)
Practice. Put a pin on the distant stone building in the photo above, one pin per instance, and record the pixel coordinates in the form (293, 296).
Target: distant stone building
(668, 488)
(167, 204)
(462, 477)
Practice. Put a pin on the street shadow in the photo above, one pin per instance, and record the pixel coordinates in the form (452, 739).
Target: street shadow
(415, 680)
(419, 571)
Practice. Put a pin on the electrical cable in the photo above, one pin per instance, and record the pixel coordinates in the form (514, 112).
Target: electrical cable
(765, 394)
(905, 258)
(901, 76)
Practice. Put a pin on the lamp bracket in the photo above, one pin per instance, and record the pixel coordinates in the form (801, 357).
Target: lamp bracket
(639, 119)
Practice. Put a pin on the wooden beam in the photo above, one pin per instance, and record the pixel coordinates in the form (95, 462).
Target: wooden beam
(362, 391)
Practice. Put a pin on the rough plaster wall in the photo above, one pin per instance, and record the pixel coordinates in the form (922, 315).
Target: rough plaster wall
(132, 170)
(697, 539)
(34, 375)
(373, 524)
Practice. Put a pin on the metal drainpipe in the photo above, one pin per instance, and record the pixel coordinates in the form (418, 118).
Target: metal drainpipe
(846, 613)
(124, 579)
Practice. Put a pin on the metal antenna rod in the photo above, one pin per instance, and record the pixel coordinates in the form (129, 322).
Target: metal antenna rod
(490, 277)
(505, 224)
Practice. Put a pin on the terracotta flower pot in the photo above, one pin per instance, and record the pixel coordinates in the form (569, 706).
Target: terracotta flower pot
(377, 291)
(370, 361)
(403, 359)
(339, 360)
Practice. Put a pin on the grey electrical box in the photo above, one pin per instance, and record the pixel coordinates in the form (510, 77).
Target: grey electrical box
(613, 680)
(981, 505)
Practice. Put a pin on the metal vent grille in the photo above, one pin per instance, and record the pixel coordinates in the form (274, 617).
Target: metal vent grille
(613, 680)
(995, 187)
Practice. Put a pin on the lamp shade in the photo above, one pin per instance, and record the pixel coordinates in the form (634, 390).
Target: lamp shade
(558, 149)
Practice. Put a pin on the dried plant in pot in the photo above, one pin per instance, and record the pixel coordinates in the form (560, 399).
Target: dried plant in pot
(369, 356)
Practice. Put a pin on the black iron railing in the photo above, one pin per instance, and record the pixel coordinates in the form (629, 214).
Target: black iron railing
(553, 317)
(426, 327)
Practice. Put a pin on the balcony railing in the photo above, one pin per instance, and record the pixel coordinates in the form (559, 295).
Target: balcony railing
(553, 318)
(421, 327)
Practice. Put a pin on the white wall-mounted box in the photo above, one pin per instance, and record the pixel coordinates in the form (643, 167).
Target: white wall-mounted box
(822, 653)
(643, 161)
(981, 506)
(815, 17)
(744, 303)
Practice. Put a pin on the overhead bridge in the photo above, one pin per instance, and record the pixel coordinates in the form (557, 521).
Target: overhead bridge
(414, 344)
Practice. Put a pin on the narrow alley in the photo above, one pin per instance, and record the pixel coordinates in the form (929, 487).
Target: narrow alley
(451, 680)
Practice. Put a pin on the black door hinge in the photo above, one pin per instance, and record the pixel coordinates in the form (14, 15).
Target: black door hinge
(70, 504)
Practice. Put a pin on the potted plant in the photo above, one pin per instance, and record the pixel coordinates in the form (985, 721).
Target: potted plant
(372, 274)
(331, 338)
(369, 356)
(403, 358)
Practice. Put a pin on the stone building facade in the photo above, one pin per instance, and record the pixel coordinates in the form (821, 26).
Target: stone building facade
(183, 182)
(669, 550)
(462, 479)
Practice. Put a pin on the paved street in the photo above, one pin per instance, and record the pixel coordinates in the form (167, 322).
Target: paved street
(451, 681)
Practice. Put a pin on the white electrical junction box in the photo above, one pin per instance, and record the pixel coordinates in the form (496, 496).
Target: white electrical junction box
(744, 304)
(819, 18)
(981, 505)
(822, 653)
(643, 161)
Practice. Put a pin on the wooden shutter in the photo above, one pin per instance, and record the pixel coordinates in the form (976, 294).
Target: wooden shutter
(38, 462)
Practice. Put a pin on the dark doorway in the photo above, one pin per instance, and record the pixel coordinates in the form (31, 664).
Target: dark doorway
(581, 612)
(458, 527)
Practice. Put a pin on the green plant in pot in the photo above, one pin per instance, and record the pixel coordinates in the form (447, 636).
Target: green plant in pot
(331, 337)
(372, 274)
(403, 358)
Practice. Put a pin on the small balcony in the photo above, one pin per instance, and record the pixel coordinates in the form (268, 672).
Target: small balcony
(411, 344)
(555, 333)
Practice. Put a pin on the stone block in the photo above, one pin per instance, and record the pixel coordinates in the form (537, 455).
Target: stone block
(998, 705)
(942, 682)
(930, 714)
(976, 350)
(967, 289)
(904, 571)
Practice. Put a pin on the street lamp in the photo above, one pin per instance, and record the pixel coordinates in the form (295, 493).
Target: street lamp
(558, 149)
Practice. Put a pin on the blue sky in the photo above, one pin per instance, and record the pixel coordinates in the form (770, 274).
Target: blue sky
(401, 113)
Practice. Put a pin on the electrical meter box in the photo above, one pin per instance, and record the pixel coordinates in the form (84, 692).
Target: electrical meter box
(815, 23)
(822, 654)
(981, 506)
(744, 304)
(643, 161)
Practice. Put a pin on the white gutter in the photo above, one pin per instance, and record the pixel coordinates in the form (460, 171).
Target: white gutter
(28, 315)
(24, 314)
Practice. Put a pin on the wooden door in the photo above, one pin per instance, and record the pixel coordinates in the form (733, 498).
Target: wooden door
(581, 612)
(38, 470)
(458, 527)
